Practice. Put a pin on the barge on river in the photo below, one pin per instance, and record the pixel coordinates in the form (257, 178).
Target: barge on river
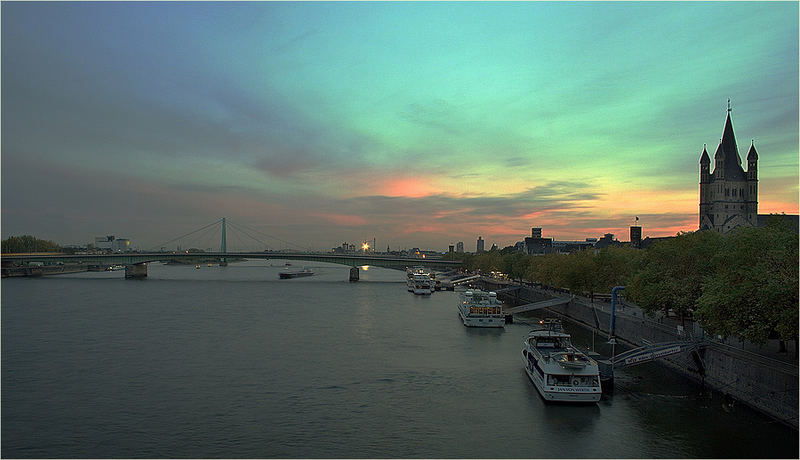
(296, 274)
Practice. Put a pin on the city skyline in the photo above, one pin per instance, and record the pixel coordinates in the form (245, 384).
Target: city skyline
(419, 125)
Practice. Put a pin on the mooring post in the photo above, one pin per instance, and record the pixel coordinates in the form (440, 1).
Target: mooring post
(354, 274)
(611, 339)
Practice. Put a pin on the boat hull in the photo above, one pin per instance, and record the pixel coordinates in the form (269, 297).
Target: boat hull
(285, 276)
(482, 321)
(579, 395)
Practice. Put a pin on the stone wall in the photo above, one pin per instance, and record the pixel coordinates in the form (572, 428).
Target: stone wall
(766, 384)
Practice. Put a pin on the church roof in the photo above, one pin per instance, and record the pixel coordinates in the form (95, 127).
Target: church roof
(704, 157)
(728, 151)
(752, 154)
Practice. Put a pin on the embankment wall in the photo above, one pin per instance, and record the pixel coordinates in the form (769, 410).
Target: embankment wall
(767, 385)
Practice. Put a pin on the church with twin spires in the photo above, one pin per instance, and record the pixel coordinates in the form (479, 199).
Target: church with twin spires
(729, 194)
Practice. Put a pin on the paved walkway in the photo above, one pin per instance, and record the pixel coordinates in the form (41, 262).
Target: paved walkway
(768, 350)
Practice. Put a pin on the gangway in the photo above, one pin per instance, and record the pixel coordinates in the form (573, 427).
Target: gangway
(651, 351)
(538, 305)
(464, 280)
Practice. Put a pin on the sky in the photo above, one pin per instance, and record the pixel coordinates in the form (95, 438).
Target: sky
(416, 124)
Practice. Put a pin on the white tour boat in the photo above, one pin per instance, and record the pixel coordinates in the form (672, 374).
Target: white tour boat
(420, 281)
(481, 309)
(558, 370)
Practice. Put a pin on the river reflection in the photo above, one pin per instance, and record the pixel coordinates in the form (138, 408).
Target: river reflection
(233, 362)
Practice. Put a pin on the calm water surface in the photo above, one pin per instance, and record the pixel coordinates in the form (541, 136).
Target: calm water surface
(232, 362)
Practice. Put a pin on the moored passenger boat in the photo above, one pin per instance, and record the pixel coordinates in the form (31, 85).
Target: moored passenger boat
(420, 281)
(481, 309)
(558, 370)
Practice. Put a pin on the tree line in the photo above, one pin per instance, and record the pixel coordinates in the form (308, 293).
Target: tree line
(742, 284)
(28, 243)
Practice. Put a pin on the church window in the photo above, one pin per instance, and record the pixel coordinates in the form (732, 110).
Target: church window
(733, 192)
(741, 192)
(727, 192)
(726, 206)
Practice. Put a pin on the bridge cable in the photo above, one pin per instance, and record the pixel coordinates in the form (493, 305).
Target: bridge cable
(270, 236)
(238, 228)
(183, 236)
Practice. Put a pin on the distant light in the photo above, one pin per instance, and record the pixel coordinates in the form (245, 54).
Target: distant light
(365, 267)
(365, 246)
(423, 256)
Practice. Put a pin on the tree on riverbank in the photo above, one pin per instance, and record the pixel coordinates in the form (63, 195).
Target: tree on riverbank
(28, 243)
(753, 291)
(673, 272)
(742, 284)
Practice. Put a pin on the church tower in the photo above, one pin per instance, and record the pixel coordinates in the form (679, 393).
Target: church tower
(728, 195)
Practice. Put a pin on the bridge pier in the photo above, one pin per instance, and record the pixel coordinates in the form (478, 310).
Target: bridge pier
(353, 274)
(136, 271)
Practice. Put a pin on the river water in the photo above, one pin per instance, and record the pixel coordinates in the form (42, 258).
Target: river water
(233, 362)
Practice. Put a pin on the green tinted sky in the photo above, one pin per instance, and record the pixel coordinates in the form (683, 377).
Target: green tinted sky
(419, 124)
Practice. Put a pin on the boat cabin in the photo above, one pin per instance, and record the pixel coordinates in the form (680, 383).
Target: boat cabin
(551, 341)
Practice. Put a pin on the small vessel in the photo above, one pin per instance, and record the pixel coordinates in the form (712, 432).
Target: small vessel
(197, 266)
(558, 370)
(296, 274)
(113, 268)
(478, 308)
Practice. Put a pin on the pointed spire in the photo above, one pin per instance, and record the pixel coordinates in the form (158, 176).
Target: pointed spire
(704, 156)
(752, 154)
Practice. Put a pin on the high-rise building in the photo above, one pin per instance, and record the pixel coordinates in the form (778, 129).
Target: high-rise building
(480, 245)
(636, 236)
(460, 246)
(728, 195)
(450, 248)
(535, 244)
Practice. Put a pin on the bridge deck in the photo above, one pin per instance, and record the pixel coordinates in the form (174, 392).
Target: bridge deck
(398, 263)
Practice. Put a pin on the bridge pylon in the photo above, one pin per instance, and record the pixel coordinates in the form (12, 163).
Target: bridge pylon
(223, 246)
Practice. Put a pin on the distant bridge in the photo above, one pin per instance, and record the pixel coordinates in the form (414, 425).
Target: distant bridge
(135, 267)
(135, 262)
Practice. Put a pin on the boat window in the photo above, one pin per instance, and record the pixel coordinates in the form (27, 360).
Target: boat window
(561, 379)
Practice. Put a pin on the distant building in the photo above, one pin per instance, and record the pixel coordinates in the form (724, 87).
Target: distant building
(535, 244)
(494, 247)
(345, 248)
(450, 248)
(121, 245)
(566, 247)
(728, 195)
(460, 246)
(649, 241)
(480, 245)
(112, 243)
(606, 241)
(636, 236)
(103, 242)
